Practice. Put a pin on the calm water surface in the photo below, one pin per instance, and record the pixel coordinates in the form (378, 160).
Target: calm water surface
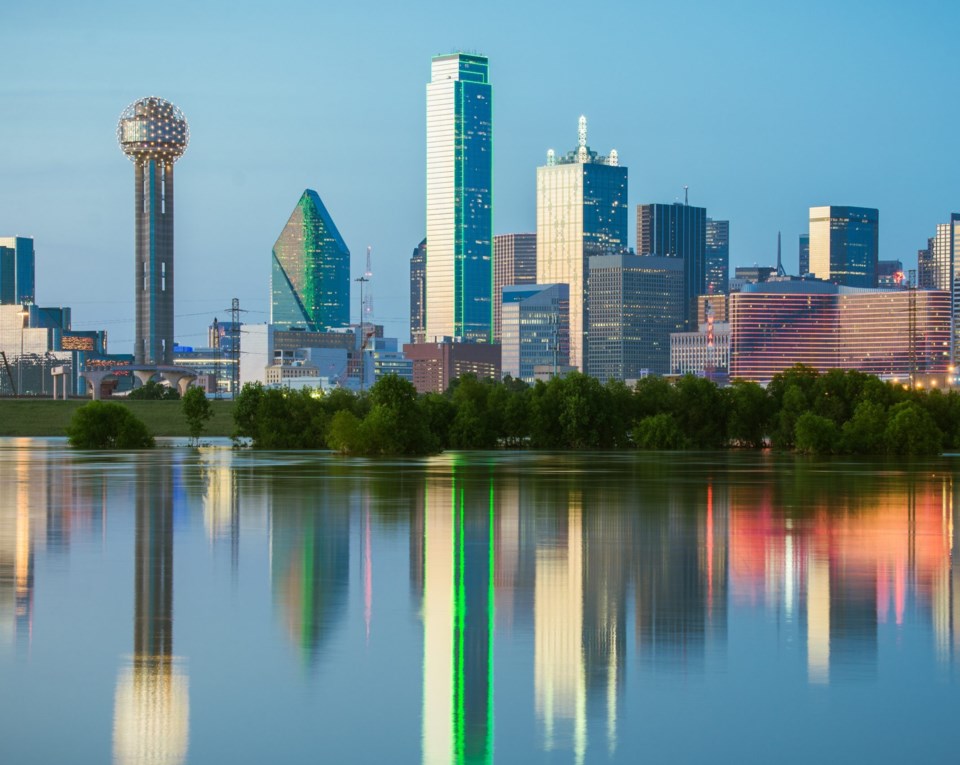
(214, 606)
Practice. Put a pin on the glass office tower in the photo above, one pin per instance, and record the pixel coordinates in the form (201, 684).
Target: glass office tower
(310, 276)
(804, 257)
(677, 231)
(717, 253)
(17, 270)
(153, 133)
(418, 292)
(940, 270)
(459, 200)
(844, 245)
(581, 212)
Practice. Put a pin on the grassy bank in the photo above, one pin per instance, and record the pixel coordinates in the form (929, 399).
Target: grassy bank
(44, 417)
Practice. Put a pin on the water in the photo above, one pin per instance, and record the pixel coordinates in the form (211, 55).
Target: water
(219, 606)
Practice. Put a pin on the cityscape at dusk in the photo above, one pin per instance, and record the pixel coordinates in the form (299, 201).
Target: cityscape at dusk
(466, 384)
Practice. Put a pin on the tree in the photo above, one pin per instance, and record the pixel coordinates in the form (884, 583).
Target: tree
(864, 432)
(344, 432)
(700, 412)
(107, 425)
(911, 430)
(658, 432)
(748, 413)
(816, 435)
(154, 391)
(196, 410)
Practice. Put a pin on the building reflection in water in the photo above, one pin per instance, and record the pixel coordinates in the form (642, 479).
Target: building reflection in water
(458, 604)
(152, 705)
(309, 560)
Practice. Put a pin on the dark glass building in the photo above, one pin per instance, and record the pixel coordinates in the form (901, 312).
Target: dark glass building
(804, 264)
(677, 231)
(717, 251)
(17, 270)
(418, 293)
(635, 303)
(310, 277)
(844, 245)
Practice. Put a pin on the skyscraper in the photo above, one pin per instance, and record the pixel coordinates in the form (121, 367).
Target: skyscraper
(536, 329)
(941, 270)
(804, 262)
(310, 275)
(418, 292)
(717, 252)
(153, 133)
(459, 200)
(635, 304)
(514, 262)
(677, 231)
(581, 212)
(17, 269)
(844, 245)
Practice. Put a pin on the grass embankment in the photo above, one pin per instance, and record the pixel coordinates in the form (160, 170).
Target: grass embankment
(44, 417)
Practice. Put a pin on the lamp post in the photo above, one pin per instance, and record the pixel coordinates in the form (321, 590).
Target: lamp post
(24, 315)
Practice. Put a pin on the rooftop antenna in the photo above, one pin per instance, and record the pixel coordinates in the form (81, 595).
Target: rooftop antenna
(780, 269)
(582, 140)
(686, 196)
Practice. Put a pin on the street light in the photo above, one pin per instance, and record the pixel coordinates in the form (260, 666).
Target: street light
(24, 314)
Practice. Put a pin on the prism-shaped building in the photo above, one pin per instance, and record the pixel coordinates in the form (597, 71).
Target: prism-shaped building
(310, 270)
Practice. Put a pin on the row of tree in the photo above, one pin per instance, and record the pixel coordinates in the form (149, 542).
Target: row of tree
(838, 412)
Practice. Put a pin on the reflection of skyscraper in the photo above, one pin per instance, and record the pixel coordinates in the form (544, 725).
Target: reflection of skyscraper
(309, 564)
(152, 704)
(457, 639)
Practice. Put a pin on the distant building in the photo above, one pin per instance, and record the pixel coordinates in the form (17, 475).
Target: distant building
(635, 304)
(717, 254)
(459, 269)
(581, 212)
(942, 268)
(712, 305)
(890, 274)
(883, 332)
(436, 365)
(844, 245)
(514, 262)
(804, 264)
(926, 272)
(536, 329)
(383, 357)
(754, 274)
(677, 231)
(17, 270)
(705, 352)
(310, 271)
(31, 342)
(418, 293)
(265, 344)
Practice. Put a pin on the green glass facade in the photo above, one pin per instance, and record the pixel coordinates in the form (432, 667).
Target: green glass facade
(310, 270)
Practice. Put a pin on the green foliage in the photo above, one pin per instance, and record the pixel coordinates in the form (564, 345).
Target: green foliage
(749, 410)
(107, 425)
(864, 432)
(154, 391)
(659, 431)
(196, 410)
(816, 435)
(344, 431)
(701, 412)
(911, 430)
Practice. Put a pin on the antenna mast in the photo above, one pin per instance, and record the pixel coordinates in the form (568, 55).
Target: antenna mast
(367, 301)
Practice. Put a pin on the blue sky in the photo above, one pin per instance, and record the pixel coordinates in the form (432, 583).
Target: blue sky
(763, 109)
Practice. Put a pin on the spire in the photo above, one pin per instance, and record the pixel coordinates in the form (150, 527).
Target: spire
(582, 155)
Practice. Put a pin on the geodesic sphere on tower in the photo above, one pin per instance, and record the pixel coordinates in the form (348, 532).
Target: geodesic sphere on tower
(153, 128)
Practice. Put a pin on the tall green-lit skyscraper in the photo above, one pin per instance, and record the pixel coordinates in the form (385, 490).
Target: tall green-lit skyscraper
(310, 270)
(459, 269)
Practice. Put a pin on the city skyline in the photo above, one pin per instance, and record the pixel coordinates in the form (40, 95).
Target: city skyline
(772, 129)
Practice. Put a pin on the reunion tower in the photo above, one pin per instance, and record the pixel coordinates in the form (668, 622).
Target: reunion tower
(154, 134)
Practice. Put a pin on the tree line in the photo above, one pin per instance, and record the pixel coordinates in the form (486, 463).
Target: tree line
(837, 412)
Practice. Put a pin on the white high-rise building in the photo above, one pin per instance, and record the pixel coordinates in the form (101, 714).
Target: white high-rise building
(459, 275)
(581, 212)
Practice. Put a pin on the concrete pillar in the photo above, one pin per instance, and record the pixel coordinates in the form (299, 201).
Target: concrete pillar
(144, 375)
(95, 380)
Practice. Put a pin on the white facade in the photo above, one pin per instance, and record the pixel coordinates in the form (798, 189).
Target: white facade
(700, 352)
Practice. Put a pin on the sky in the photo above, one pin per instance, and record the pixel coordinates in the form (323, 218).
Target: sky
(763, 109)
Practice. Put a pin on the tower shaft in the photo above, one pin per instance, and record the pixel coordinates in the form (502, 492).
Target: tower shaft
(153, 275)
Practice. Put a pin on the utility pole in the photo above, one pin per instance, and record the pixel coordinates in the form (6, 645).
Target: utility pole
(235, 349)
(362, 338)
